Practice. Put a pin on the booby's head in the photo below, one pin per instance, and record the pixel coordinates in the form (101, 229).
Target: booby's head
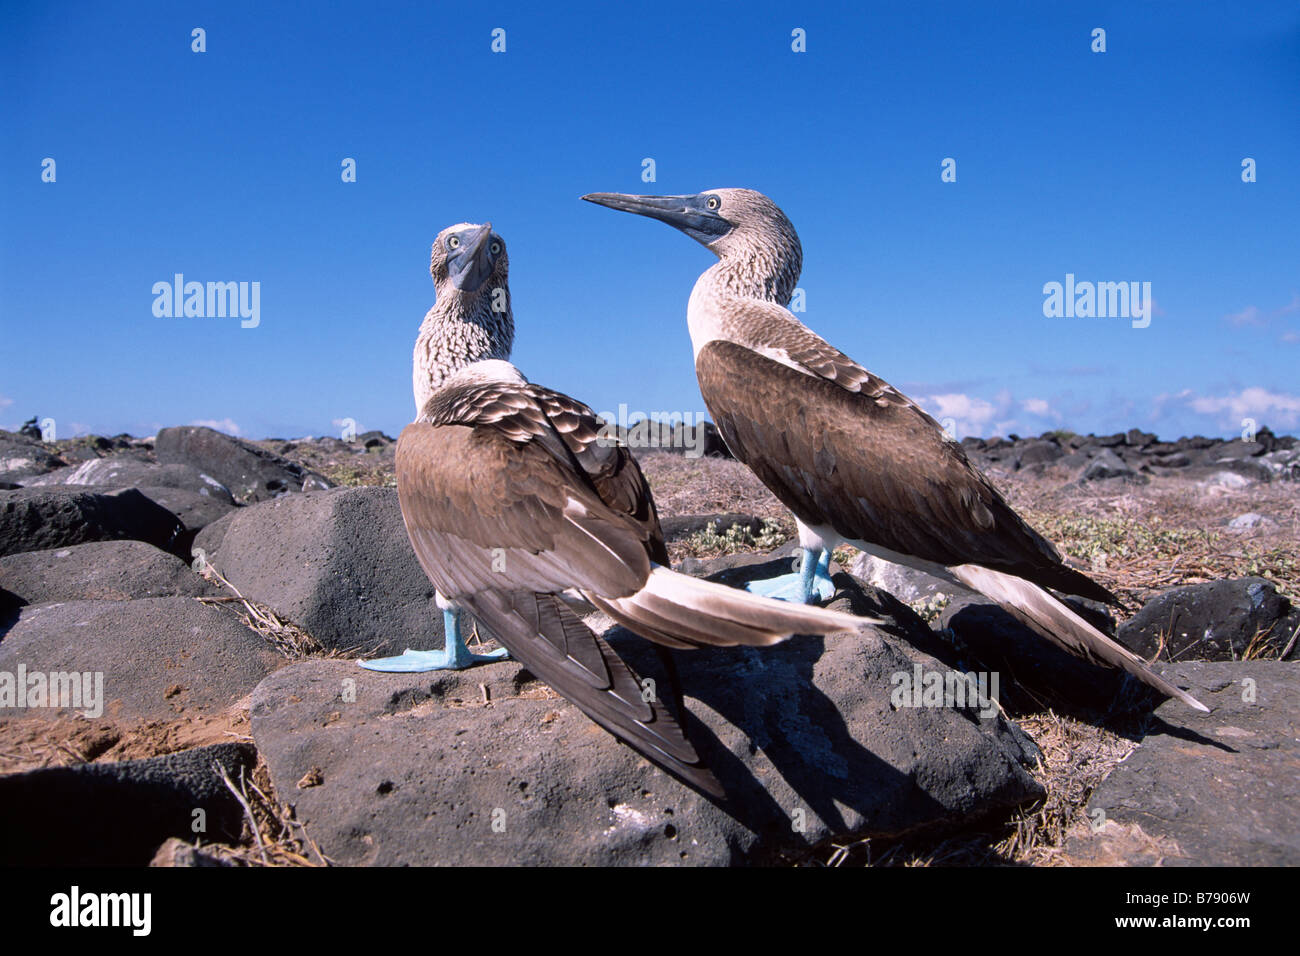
(467, 259)
(741, 227)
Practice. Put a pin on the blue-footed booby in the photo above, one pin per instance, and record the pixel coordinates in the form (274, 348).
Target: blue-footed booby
(470, 321)
(853, 458)
(512, 496)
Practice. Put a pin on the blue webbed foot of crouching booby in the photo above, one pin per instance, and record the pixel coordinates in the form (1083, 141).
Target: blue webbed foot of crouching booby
(811, 584)
(453, 656)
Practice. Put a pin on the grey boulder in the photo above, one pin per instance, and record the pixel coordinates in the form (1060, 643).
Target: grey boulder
(117, 814)
(158, 657)
(251, 473)
(1214, 621)
(99, 571)
(337, 563)
(36, 519)
(1216, 789)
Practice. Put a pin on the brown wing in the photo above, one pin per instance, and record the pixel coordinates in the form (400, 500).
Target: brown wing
(865, 460)
(505, 508)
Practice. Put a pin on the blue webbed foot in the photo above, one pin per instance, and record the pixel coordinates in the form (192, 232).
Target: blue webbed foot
(453, 656)
(811, 584)
(414, 662)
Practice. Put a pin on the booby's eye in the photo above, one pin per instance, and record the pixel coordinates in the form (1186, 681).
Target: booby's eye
(713, 202)
(453, 242)
(495, 248)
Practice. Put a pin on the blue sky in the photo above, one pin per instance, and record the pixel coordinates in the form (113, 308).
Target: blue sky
(225, 166)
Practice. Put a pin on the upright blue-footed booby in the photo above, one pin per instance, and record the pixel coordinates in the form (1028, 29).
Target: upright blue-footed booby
(853, 458)
(512, 496)
(470, 321)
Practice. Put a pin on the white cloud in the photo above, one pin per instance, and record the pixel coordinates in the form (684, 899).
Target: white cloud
(1291, 337)
(1040, 407)
(1266, 407)
(5, 401)
(224, 425)
(969, 413)
(1247, 316)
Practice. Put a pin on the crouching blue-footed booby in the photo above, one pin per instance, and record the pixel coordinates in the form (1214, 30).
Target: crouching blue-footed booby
(853, 458)
(512, 496)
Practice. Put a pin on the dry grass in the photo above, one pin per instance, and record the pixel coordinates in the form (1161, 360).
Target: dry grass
(286, 637)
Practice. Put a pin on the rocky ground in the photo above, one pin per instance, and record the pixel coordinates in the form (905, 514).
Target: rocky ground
(223, 589)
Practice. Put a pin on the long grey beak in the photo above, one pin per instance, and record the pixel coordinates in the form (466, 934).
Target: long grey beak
(472, 264)
(690, 214)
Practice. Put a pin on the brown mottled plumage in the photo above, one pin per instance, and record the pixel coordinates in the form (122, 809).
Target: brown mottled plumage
(463, 326)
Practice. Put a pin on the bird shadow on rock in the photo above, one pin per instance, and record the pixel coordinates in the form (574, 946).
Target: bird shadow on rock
(769, 696)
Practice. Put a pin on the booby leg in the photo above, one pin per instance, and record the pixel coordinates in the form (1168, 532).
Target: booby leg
(453, 656)
(809, 585)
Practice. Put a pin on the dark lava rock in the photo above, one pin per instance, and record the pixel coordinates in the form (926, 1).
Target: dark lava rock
(100, 571)
(158, 656)
(1214, 621)
(176, 852)
(1039, 453)
(21, 458)
(1216, 789)
(37, 519)
(251, 473)
(193, 509)
(124, 471)
(99, 814)
(1237, 449)
(337, 563)
(1107, 464)
(416, 768)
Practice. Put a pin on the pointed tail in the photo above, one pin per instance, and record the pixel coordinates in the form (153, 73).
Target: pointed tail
(1047, 616)
(677, 610)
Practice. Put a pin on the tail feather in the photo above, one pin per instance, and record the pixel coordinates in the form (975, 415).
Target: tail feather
(681, 611)
(1032, 605)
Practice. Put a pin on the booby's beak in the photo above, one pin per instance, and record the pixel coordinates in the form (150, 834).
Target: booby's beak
(690, 214)
(470, 265)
